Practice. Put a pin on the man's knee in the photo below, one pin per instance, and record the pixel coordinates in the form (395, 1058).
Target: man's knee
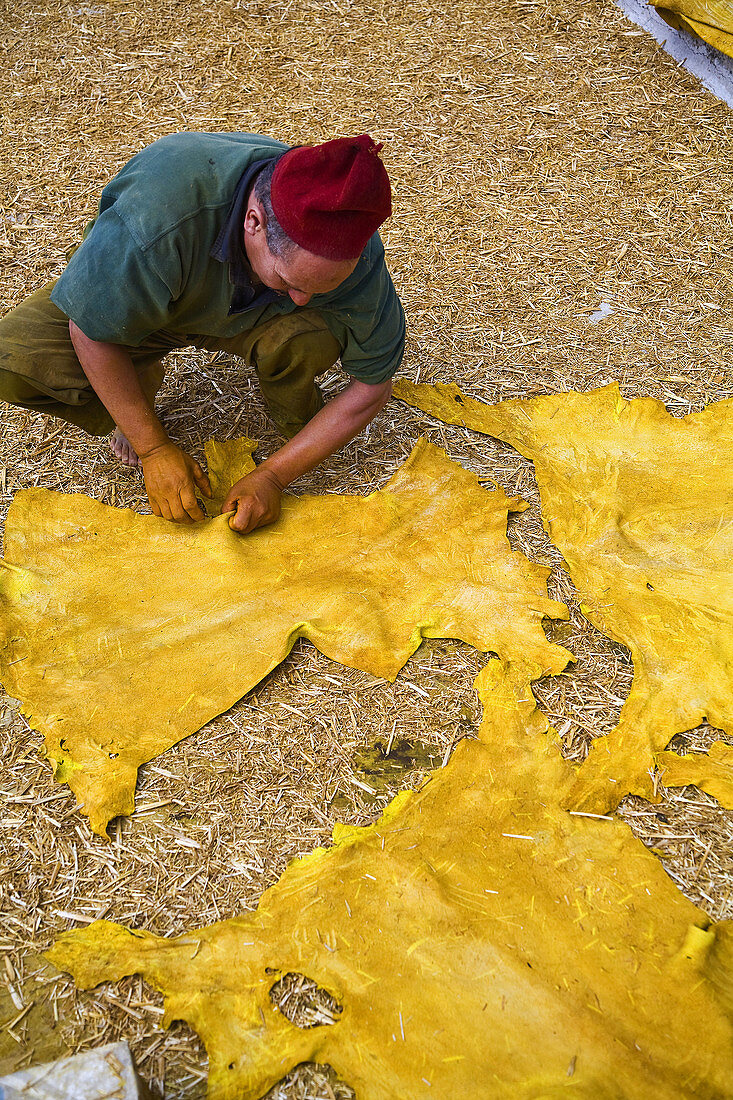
(40, 370)
(294, 344)
(16, 390)
(90, 415)
(36, 350)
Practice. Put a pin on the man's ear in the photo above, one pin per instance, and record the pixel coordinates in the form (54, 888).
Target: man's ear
(254, 219)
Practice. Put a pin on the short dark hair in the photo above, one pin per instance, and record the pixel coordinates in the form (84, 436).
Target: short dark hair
(279, 243)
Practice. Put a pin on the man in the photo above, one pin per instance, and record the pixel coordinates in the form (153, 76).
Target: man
(228, 242)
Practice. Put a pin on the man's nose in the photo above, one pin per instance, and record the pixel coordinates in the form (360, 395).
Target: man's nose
(299, 297)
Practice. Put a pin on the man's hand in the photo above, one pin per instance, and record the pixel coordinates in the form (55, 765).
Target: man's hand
(171, 478)
(255, 500)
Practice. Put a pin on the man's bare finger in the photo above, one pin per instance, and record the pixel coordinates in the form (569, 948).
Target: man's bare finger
(179, 513)
(189, 502)
(242, 520)
(202, 480)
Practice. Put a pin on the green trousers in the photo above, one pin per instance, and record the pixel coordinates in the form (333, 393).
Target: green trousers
(39, 369)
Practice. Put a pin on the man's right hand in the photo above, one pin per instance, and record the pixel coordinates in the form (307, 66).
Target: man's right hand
(171, 477)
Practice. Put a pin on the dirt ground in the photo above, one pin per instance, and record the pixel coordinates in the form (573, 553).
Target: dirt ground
(546, 157)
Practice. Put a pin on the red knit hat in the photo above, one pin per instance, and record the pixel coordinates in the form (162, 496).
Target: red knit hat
(330, 198)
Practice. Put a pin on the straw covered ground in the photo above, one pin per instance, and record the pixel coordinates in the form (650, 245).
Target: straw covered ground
(546, 156)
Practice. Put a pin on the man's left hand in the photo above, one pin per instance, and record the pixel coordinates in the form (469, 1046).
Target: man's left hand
(255, 500)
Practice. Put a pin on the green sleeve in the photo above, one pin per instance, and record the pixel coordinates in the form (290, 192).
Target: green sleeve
(366, 317)
(110, 287)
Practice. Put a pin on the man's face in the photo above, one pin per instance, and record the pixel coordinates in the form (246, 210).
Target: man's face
(299, 274)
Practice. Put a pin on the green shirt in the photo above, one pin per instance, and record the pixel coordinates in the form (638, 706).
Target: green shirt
(146, 263)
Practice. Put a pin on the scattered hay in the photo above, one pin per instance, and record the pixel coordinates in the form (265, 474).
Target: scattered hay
(545, 159)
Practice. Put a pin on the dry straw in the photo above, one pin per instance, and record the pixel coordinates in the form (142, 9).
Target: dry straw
(546, 157)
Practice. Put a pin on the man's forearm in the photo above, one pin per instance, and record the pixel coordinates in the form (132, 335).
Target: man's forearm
(113, 378)
(255, 500)
(338, 422)
(171, 476)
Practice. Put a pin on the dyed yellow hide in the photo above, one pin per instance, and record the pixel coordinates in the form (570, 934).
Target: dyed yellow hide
(640, 504)
(226, 463)
(711, 771)
(711, 20)
(483, 943)
(123, 633)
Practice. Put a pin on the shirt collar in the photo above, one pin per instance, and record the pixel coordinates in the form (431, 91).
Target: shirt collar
(229, 246)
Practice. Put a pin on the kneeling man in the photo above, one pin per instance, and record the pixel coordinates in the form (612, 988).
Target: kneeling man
(228, 242)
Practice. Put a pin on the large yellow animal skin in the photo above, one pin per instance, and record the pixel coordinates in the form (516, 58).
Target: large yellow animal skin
(123, 633)
(482, 941)
(640, 504)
